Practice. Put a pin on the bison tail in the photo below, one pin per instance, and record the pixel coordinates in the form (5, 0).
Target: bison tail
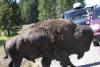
(6, 56)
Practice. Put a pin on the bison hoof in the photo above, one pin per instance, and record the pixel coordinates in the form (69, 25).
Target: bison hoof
(80, 55)
(70, 66)
(96, 43)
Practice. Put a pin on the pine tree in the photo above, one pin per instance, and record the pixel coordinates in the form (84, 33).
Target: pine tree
(10, 16)
(42, 10)
(46, 9)
(63, 5)
(29, 10)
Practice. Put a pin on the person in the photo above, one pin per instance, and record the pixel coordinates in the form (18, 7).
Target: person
(90, 14)
(77, 5)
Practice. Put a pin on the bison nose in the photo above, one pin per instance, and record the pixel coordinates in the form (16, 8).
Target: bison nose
(96, 43)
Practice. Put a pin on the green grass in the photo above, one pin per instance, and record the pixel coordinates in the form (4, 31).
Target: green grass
(3, 37)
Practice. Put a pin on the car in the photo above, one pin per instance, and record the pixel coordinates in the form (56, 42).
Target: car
(95, 25)
(78, 16)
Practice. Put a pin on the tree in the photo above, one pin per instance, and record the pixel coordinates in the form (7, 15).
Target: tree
(82, 1)
(63, 5)
(10, 16)
(46, 9)
(5, 12)
(15, 16)
(29, 10)
(50, 8)
(42, 10)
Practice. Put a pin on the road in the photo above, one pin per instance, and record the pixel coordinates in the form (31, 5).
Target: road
(90, 59)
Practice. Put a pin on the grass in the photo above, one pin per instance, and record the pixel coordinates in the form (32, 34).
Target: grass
(3, 37)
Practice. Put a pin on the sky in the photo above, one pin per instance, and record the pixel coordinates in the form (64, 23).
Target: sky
(92, 2)
(17, 0)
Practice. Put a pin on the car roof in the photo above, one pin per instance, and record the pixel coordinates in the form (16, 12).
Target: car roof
(74, 10)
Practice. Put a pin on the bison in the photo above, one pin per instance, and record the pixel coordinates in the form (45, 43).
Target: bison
(49, 39)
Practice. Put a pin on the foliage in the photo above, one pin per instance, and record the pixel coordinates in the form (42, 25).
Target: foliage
(3, 38)
(46, 9)
(63, 5)
(10, 16)
(49, 9)
(82, 1)
(42, 11)
(29, 10)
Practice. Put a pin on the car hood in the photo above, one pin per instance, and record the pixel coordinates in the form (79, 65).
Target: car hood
(96, 21)
(79, 20)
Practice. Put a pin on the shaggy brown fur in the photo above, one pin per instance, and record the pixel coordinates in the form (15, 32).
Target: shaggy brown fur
(50, 39)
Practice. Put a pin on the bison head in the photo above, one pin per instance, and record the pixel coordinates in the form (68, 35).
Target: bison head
(84, 36)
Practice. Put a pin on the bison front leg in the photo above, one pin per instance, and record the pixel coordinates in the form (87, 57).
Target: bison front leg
(16, 59)
(66, 63)
(11, 63)
(46, 62)
(15, 62)
(80, 54)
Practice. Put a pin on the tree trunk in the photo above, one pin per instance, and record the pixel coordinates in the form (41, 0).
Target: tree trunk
(8, 32)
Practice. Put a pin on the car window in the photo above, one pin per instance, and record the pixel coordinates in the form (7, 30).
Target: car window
(68, 14)
(97, 12)
(75, 14)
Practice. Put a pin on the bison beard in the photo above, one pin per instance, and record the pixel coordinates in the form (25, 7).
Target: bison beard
(50, 39)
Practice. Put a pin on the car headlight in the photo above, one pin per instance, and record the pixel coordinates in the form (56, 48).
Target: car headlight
(95, 27)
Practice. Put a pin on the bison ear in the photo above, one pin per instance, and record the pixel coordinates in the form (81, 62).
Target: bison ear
(78, 33)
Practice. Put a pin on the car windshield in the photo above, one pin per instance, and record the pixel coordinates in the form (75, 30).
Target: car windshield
(72, 14)
(97, 12)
